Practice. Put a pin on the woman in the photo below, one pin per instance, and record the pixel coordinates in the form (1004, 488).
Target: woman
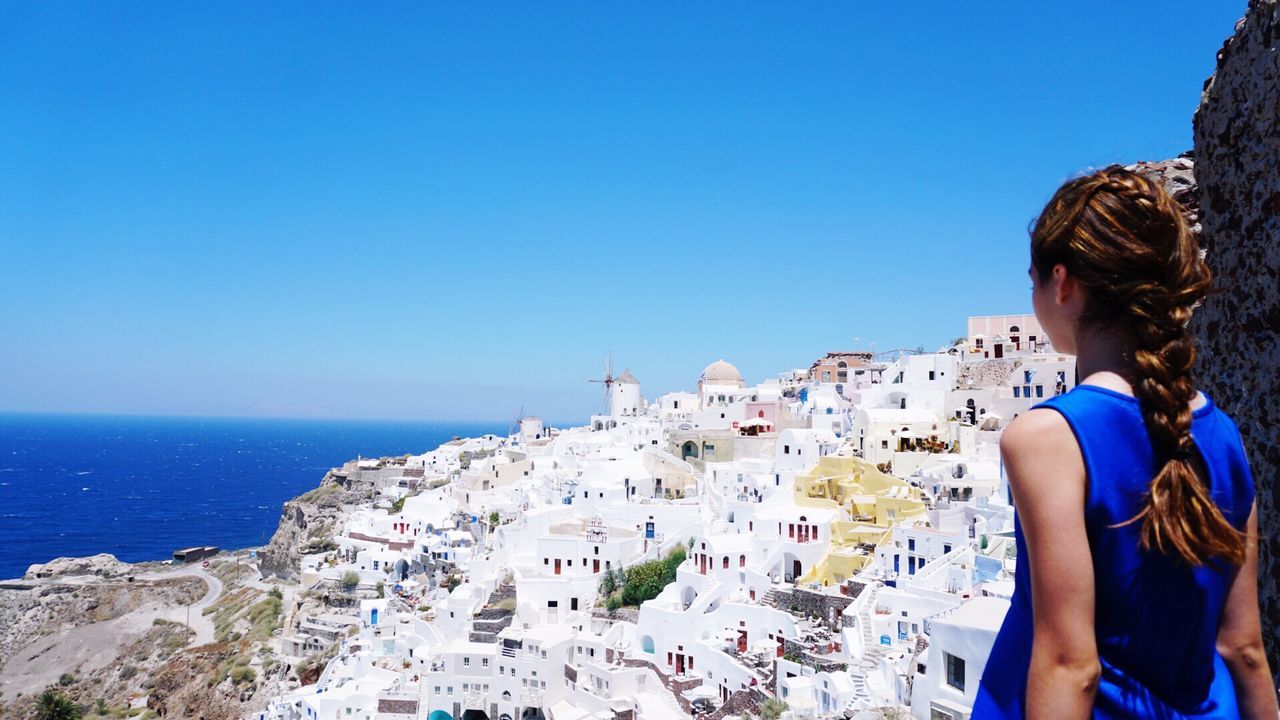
(1136, 592)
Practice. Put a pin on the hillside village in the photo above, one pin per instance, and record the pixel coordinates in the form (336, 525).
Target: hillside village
(832, 542)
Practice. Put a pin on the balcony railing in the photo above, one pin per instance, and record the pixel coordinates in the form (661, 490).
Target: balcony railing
(473, 700)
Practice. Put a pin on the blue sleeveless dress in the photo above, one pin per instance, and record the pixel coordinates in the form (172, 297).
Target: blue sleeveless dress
(1156, 621)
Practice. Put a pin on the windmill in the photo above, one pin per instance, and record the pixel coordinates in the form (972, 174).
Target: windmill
(515, 423)
(608, 379)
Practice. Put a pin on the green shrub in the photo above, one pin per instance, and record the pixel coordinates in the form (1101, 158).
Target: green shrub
(66, 679)
(772, 709)
(645, 580)
(350, 580)
(53, 705)
(265, 617)
(242, 674)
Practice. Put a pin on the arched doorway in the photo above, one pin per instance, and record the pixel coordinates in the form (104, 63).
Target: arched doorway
(792, 568)
(475, 715)
(689, 450)
(402, 569)
(646, 644)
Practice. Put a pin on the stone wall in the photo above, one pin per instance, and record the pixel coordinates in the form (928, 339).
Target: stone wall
(1237, 153)
(826, 607)
(817, 658)
(743, 703)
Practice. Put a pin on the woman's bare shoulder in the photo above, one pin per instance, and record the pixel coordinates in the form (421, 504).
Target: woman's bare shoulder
(1036, 429)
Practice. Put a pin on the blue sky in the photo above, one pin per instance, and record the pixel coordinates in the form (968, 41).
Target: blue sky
(425, 211)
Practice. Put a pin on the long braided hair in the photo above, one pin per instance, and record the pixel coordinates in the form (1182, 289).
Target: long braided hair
(1125, 241)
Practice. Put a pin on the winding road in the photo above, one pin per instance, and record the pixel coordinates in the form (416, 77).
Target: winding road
(199, 622)
(94, 645)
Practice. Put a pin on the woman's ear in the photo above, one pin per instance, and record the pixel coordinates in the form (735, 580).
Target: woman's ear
(1065, 287)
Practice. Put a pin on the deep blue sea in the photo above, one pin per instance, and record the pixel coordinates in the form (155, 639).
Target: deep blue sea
(141, 487)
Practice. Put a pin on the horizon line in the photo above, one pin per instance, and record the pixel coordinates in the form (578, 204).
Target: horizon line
(199, 416)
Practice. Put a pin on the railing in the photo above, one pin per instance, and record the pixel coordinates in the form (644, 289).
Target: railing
(473, 700)
(928, 622)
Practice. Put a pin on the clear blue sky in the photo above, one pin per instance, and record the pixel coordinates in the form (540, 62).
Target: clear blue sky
(449, 212)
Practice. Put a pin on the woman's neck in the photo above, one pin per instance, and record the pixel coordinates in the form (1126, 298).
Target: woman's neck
(1103, 358)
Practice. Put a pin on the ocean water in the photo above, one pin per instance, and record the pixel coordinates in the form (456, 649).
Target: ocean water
(141, 487)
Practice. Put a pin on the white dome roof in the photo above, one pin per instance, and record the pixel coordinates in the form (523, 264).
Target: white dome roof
(721, 373)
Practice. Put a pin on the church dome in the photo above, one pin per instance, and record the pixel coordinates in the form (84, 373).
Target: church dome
(721, 373)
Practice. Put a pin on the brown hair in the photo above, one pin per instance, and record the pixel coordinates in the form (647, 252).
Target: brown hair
(1125, 241)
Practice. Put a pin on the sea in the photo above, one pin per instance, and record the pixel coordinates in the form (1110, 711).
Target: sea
(141, 487)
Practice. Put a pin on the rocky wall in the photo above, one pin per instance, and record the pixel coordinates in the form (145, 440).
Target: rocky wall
(1237, 159)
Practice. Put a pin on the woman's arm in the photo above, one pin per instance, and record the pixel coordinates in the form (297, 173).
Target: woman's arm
(1046, 473)
(1240, 635)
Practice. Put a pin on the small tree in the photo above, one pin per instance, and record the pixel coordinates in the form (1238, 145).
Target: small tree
(53, 705)
(494, 519)
(350, 580)
(608, 583)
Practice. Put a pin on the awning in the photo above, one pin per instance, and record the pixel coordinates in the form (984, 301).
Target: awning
(564, 710)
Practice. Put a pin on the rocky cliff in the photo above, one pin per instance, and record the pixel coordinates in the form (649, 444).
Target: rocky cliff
(308, 521)
(1237, 153)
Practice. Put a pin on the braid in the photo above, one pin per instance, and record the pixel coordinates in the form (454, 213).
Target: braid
(1124, 238)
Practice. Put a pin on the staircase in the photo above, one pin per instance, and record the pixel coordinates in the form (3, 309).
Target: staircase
(770, 598)
(872, 651)
(492, 620)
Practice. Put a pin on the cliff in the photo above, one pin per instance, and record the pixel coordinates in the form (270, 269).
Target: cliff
(308, 521)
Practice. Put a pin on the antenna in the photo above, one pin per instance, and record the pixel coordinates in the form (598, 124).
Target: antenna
(607, 380)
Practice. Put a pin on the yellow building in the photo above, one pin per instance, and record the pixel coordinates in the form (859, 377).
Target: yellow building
(874, 502)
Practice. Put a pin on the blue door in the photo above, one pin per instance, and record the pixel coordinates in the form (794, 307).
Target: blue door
(648, 530)
(373, 616)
